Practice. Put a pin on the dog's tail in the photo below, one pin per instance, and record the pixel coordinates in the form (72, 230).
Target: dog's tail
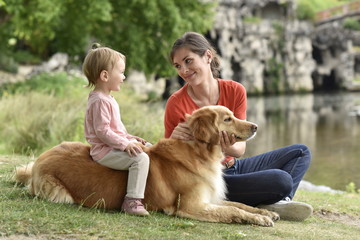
(23, 174)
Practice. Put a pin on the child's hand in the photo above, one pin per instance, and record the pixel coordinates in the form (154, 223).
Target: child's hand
(133, 149)
(139, 139)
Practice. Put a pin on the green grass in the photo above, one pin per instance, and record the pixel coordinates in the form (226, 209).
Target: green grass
(306, 9)
(44, 111)
(319, 5)
(48, 109)
(337, 216)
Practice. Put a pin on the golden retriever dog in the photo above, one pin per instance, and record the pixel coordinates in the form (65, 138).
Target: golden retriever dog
(185, 177)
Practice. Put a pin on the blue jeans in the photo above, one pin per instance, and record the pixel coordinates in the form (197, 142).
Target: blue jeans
(269, 177)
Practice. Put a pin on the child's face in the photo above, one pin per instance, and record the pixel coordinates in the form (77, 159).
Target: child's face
(116, 76)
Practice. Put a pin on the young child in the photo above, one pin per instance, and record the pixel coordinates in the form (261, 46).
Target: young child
(111, 145)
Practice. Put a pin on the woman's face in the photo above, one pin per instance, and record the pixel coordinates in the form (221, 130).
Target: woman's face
(190, 66)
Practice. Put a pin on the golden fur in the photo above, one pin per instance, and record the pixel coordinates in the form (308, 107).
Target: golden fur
(185, 177)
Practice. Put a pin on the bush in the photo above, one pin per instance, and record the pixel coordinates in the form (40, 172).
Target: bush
(25, 57)
(352, 24)
(305, 12)
(41, 112)
(48, 109)
(255, 20)
(59, 84)
(34, 121)
(8, 64)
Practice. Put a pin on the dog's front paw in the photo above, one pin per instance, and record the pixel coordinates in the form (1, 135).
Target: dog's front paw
(273, 215)
(262, 220)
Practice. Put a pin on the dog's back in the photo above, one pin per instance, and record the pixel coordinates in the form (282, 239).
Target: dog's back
(67, 174)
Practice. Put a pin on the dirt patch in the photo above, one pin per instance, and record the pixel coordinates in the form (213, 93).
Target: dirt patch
(338, 217)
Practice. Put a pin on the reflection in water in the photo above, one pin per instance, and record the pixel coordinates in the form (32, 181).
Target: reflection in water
(322, 122)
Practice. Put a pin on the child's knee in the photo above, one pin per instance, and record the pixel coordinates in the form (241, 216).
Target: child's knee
(143, 159)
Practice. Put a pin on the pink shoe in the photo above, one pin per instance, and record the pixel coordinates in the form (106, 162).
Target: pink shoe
(134, 206)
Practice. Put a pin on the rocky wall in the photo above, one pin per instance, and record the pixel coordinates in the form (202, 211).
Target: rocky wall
(263, 46)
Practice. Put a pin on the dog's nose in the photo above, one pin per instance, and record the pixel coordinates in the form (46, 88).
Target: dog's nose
(254, 128)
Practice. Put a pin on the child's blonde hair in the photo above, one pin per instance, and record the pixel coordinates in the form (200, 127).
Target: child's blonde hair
(99, 59)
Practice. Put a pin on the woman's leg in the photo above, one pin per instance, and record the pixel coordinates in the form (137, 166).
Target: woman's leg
(261, 187)
(268, 177)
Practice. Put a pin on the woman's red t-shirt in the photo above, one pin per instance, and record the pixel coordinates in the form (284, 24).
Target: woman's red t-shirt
(232, 96)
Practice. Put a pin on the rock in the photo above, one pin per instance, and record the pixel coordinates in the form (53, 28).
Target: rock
(147, 88)
(276, 43)
(23, 72)
(58, 62)
(308, 186)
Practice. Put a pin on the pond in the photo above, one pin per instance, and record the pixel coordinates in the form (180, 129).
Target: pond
(326, 123)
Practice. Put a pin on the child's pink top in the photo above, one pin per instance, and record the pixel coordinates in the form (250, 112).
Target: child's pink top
(103, 127)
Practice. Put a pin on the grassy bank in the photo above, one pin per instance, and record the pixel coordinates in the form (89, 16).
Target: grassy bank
(319, 5)
(41, 113)
(48, 109)
(337, 216)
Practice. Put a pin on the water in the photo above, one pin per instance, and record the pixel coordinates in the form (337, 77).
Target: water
(324, 123)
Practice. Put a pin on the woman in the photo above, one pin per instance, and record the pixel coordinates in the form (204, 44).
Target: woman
(268, 180)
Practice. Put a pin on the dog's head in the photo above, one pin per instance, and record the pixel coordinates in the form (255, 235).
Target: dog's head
(206, 123)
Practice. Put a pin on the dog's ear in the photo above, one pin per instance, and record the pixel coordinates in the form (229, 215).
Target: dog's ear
(203, 126)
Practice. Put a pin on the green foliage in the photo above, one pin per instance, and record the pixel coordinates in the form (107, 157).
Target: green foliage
(274, 73)
(279, 31)
(255, 20)
(143, 30)
(47, 109)
(357, 79)
(33, 21)
(351, 188)
(8, 64)
(33, 122)
(352, 24)
(78, 20)
(319, 5)
(305, 11)
(59, 84)
(26, 57)
(47, 26)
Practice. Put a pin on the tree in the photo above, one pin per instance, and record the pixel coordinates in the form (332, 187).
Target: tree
(145, 30)
(142, 29)
(47, 26)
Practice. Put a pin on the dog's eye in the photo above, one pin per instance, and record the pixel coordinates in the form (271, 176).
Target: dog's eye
(227, 119)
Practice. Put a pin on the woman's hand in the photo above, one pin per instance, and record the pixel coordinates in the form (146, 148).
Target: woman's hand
(229, 145)
(226, 141)
(133, 149)
(182, 132)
